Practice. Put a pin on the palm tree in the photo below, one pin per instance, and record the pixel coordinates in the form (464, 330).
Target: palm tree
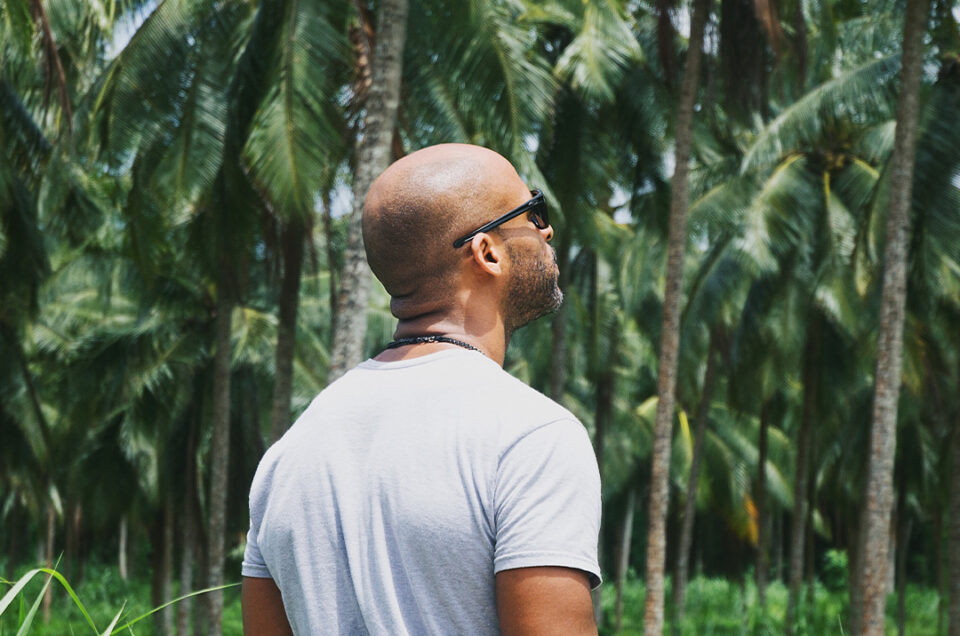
(693, 481)
(879, 484)
(669, 344)
(843, 203)
(954, 575)
(933, 252)
(373, 157)
(226, 165)
(296, 142)
(43, 199)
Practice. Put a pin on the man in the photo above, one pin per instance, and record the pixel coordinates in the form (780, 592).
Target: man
(427, 491)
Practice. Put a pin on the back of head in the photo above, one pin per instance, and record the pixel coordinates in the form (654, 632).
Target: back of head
(418, 207)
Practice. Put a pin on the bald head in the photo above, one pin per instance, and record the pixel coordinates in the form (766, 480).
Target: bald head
(420, 205)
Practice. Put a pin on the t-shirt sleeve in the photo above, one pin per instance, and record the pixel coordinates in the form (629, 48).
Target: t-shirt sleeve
(253, 563)
(547, 501)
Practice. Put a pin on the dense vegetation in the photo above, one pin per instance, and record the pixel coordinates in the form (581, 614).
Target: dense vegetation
(179, 276)
(714, 606)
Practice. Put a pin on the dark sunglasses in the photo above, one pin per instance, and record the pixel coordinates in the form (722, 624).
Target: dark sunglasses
(536, 207)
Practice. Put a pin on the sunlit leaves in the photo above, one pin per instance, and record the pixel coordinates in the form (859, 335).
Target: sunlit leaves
(483, 51)
(859, 97)
(145, 84)
(296, 139)
(594, 62)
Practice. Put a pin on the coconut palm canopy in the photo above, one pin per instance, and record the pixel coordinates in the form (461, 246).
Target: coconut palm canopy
(180, 272)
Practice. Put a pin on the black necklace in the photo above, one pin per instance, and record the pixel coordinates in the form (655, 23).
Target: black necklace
(400, 342)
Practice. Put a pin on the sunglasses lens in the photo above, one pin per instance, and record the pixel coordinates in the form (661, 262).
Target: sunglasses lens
(539, 215)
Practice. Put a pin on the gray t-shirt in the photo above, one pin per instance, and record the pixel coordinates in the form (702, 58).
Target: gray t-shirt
(391, 503)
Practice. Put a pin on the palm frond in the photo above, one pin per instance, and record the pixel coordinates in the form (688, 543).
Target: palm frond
(862, 96)
(594, 62)
(253, 336)
(143, 90)
(782, 215)
(192, 151)
(936, 189)
(296, 137)
(484, 50)
(24, 142)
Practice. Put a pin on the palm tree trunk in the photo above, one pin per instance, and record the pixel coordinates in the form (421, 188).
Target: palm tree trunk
(806, 602)
(800, 492)
(162, 574)
(763, 523)
(292, 240)
(122, 549)
(81, 546)
(693, 483)
(11, 539)
(856, 574)
(70, 540)
(54, 66)
(604, 406)
(670, 334)
(48, 557)
(953, 593)
(373, 157)
(602, 419)
(332, 266)
(188, 528)
(185, 607)
(939, 571)
(883, 440)
(17, 347)
(558, 346)
(623, 563)
(905, 528)
(603, 415)
(219, 457)
(777, 548)
(185, 576)
(809, 553)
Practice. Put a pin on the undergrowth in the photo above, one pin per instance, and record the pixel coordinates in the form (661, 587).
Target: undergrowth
(103, 603)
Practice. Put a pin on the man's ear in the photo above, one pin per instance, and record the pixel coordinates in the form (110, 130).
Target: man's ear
(487, 253)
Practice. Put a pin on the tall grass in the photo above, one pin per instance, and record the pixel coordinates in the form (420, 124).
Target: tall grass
(108, 613)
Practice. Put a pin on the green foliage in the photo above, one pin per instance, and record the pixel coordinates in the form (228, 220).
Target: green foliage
(723, 606)
(836, 572)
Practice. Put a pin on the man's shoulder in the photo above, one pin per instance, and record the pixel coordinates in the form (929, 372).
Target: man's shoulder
(520, 409)
(465, 386)
(519, 394)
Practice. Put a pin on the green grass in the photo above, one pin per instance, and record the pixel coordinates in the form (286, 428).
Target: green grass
(714, 607)
(104, 596)
(720, 606)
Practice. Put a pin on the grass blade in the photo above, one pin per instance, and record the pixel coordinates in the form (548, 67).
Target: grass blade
(28, 620)
(26, 578)
(73, 595)
(113, 623)
(12, 592)
(168, 603)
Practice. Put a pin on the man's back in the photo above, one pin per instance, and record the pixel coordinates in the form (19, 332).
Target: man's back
(393, 501)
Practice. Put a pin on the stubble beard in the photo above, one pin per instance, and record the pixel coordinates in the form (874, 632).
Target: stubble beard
(533, 290)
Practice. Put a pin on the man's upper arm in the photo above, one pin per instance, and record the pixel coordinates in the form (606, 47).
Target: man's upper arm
(263, 612)
(547, 522)
(544, 600)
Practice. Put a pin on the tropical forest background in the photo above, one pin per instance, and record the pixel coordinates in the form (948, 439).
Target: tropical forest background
(757, 216)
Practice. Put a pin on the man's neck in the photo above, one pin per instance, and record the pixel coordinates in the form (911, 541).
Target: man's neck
(491, 343)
